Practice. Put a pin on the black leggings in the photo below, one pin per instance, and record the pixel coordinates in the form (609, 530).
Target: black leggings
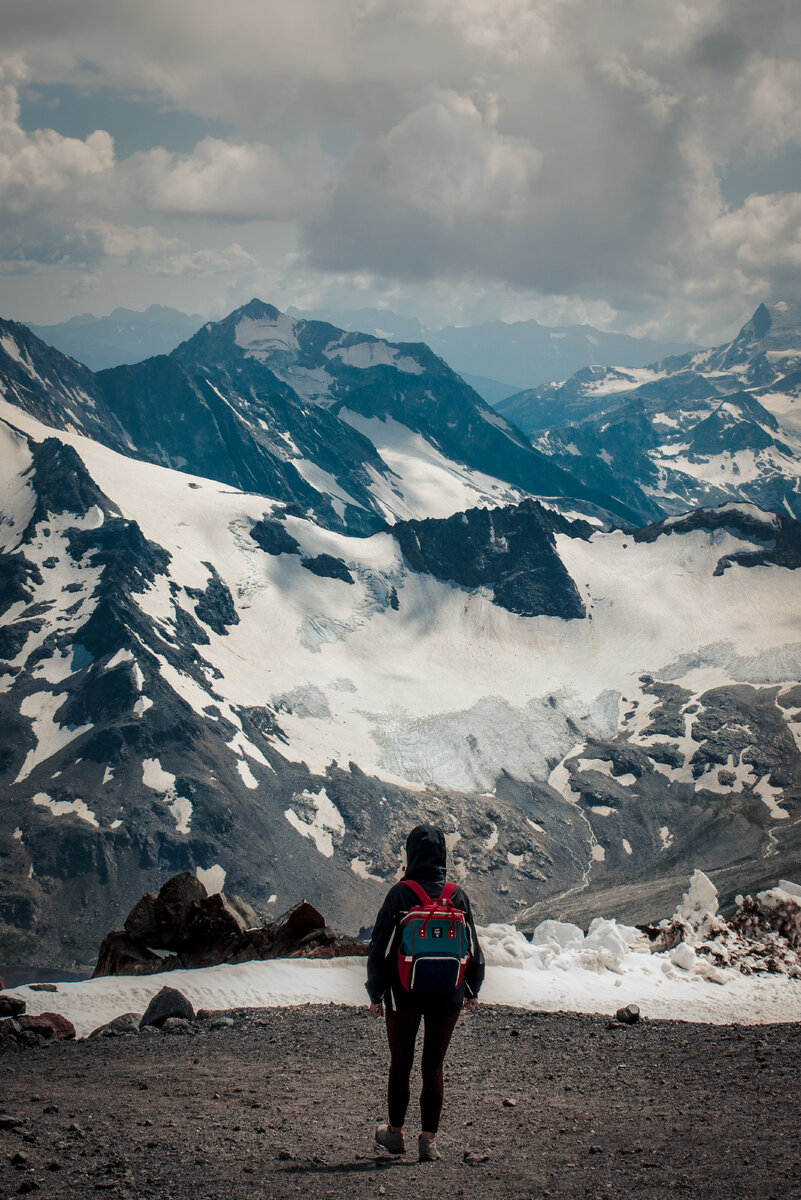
(401, 1034)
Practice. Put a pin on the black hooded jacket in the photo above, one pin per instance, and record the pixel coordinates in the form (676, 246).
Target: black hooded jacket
(425, 864)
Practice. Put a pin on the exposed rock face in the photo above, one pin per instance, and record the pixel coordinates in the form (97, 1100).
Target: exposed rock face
(326, 566)
(11, 1006)
(141, 923)
(512, 551)
(216, 929)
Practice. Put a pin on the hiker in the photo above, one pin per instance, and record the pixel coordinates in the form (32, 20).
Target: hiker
(424, 963)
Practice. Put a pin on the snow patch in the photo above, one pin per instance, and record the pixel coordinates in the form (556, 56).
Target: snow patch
(50, 736)
(122, 656)
(247, 776)
(212, 878)
(372, 354)
(61, 808)
(362, 870)
(324, 821)
(155, 777)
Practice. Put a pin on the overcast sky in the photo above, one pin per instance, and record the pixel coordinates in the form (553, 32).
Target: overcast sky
(632, 163)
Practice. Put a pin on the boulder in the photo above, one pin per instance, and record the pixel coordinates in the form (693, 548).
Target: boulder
(126, 1023)
(173, 906)
(120, 955)
(11, 1006)
(48, 1025)
(169, 1002)
(629, 1015)
(141, 923)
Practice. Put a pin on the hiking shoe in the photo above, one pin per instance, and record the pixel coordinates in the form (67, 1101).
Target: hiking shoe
(391, 1139)
(427, 1149)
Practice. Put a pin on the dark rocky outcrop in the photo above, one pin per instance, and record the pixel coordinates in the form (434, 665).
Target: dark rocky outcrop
(214, 605)
(169, 1002)
(511, 551)
(216, 929)
(326, 566)
(273, 537)
(207, 930)
(141, 923)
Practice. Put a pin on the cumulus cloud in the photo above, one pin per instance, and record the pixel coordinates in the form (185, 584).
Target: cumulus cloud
(41, 167)
(235, 180)
(61, 198)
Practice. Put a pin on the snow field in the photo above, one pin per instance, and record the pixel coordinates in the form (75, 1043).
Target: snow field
(427, 484)
(470, 683)
(598, 973)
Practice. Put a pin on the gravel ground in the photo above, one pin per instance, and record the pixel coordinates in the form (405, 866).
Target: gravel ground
(285, 1101)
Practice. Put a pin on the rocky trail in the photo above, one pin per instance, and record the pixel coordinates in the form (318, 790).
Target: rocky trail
(280, 1102)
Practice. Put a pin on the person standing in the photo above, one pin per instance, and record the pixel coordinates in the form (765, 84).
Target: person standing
(453, 983)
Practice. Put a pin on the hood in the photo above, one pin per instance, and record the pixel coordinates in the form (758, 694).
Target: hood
(426, 854)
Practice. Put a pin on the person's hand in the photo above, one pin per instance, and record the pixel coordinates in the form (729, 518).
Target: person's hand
(471, 1005)
(377, 1010)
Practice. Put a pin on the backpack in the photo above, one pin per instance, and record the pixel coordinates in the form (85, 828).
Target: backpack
(434, 945)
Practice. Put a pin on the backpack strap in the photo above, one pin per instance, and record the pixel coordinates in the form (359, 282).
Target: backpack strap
(419, 891)
(447, 891)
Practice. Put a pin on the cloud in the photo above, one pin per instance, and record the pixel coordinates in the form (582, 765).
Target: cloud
(42, 167)
(563, 148)
(90, 244)
(127, 244)
(234, 180)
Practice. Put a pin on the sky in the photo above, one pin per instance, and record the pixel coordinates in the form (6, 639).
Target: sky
(634, 164)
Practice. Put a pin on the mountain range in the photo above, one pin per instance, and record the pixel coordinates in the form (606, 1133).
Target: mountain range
(496, 358)
(124, 336)
(271, 599)
(704, 428)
